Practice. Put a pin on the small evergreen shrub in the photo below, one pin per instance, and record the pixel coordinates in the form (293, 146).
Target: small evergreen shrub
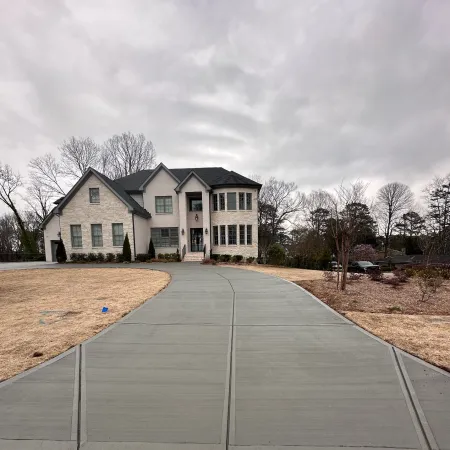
(215, 257)
(250, 259)
(82, 257)
(74, 257)
(119, 258)
(161, 256)
(110, 257)
(151, 250)
(142, 257)
(225, 258)
(61, 255)
(209, 261)
(91, 257)
(237, 258)
(100, 257)
(126, 250)
(277, 254)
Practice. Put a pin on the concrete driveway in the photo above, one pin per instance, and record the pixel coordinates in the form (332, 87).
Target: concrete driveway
(226, 358)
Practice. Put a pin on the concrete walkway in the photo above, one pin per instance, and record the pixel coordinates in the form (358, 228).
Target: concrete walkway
(228, 359)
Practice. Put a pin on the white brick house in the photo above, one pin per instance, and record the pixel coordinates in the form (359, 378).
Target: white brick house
(192, 210)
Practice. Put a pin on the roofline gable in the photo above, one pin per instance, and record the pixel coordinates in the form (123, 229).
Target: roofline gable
(156, 170)
(192, 174)
(80, 182)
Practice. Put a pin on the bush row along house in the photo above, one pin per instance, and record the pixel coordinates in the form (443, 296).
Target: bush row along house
(207, 209)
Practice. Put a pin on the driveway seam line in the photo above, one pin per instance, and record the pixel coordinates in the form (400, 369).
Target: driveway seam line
(230, 429)
(431, 441)
(76, 397)
(79, 353)
(426, 441)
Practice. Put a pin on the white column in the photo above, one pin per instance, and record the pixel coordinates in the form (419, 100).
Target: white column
(183, 221)
(206, 221)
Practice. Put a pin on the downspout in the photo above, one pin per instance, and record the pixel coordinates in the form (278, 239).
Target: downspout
(134, 236)
(210, 226)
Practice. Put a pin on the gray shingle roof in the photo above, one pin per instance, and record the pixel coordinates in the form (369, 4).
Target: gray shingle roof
(213, 176)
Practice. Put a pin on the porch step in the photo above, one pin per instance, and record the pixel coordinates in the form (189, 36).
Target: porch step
(193, 257)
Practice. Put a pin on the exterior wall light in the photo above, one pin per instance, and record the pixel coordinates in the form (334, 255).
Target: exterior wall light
(206, 230)
(182, 231)
(196, 217)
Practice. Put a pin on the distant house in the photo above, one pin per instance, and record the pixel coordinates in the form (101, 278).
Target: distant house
(192, 210)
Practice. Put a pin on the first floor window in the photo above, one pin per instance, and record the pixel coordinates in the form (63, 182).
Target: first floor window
(241, 234)
(223, 237)
(215, 202)
(241, 200)
(249, 200)
(94, 195)
(222, 202)
(163, 205)
(97, 235)
(216, 235)
(232, 238)
(117, 232)
(231, 201)
(75, 234)
(165, 237)
(249, 235)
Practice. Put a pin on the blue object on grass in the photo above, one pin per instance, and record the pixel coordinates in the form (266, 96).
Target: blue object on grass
(104, 309)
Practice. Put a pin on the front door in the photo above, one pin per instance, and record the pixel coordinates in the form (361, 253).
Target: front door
(196, 239)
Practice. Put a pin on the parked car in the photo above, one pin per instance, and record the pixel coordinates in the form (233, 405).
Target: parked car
(335, 266)
(362, 267)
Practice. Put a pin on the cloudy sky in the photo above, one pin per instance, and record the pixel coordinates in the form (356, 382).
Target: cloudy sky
(307, 91)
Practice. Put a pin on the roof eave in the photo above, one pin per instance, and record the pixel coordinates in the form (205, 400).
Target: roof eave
(193, 174)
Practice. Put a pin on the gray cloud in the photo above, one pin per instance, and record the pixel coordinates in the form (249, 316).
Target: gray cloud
(311, 91)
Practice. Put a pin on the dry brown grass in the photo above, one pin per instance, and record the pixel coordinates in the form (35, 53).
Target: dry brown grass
(396, 315)
(287, 273)
(50, 311)
(424, 336)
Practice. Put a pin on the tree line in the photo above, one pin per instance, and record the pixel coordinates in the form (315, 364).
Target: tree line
(51, 176)
(311, 230)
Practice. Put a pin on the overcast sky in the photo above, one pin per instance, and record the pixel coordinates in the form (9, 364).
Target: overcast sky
(307, 91)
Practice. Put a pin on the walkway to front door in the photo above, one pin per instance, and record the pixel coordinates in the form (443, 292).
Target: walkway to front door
(196, 239)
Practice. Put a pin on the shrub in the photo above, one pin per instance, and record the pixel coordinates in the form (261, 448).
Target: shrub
(209, 261)
(392, 281)
(277, 254)
(74, 257)
(225, 258)
(91, 257)
(353, 276)
(126, 250)
(160, 255)
(61, 255)
(110, 257)
(237, 258)
(428, 281)
(167, 256)
(250, 259)
(119, 258)
(82, 257)
(400, 275)
(409, 272)
(328, 275)
(151, 249)
(100, 257)
(215, 257)
(394, 308)
(142, 257)
(375, 275)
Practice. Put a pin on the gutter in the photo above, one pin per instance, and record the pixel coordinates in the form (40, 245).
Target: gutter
(134, 236)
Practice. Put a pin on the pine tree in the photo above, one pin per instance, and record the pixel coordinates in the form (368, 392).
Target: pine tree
(151, 250)
(61, 255)
(126, 250)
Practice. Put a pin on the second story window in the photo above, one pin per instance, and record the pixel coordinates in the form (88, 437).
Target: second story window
(222, 201)
(231, 200)
(241, 200)
(163, 205)
(215, 202)
(249, 200)
(94, 195)
(195, 204)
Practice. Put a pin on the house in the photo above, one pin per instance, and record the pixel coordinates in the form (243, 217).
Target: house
(192, 210)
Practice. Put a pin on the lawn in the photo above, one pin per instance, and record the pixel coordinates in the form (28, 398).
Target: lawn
(287, 273)
(398, 315)
(45, 312)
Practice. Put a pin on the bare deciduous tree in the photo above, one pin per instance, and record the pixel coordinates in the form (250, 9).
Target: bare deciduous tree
(344, 223)
(10, 182)
(279, 201)
(38, 198)
(78, 154)
(393, 199)
(317, 210)
(127, 153)
(49, 173)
